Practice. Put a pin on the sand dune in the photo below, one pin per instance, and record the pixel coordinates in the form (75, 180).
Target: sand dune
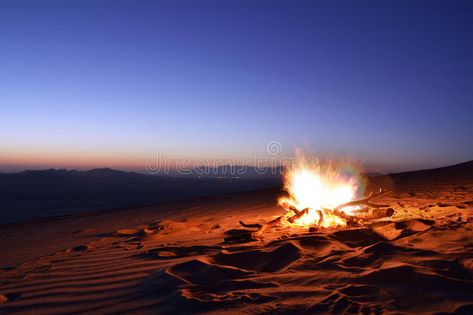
(175, 261)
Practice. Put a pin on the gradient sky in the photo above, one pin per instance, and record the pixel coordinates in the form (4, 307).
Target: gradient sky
(111, 83)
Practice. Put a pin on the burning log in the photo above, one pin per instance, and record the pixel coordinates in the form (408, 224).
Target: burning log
(365, 201)
(297, 215)
(289, 207)
(349, 218)
(321, 217)
(372, 211)
(376, 214)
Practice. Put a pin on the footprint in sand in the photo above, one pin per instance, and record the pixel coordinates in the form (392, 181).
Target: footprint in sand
(265, 260)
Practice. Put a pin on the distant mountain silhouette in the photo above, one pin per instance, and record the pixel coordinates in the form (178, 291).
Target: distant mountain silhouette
(228, 171)
(96, 172)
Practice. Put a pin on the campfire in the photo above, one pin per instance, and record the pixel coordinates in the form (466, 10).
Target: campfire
(324, 197)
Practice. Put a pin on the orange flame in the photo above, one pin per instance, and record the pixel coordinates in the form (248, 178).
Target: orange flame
(319, 189)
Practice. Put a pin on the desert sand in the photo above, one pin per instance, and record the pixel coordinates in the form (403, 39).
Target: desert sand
(173, 258)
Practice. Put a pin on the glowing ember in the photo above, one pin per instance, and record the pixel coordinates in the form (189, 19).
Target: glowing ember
(318, 190)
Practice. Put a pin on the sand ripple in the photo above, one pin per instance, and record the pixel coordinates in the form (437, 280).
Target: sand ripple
(421, 264)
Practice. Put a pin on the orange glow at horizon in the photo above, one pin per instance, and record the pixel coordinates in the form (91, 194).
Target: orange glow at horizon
(21, 159)
(80, 160)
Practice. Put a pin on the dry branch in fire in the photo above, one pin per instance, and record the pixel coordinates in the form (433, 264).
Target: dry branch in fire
(366, 211)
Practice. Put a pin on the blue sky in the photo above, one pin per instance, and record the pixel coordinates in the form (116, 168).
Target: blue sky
(111, 83)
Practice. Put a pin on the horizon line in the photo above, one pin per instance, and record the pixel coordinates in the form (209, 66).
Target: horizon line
(144, 172)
